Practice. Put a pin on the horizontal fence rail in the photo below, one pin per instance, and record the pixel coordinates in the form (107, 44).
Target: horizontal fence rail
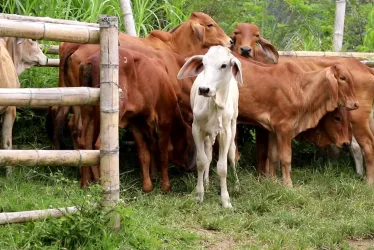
(50, 157)
(49, 31)
(66, 96)
(45, 20)
(25, 216)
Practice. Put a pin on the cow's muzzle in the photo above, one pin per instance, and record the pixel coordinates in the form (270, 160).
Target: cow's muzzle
(245, 51)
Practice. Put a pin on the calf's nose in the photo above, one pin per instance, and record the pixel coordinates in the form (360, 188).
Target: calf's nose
(346, 146)
(203, 90)
(245, 51)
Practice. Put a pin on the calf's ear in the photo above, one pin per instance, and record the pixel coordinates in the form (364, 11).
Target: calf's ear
(192, 67)
(237, 70)
(198, 30)
(269, 50)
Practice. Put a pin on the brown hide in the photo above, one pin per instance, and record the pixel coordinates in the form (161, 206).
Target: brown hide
(285, 100)
(199, 31)
(149, 105)
(246, 36)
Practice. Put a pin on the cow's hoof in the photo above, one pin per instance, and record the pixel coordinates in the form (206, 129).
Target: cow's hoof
(166, 188)
(147, 188)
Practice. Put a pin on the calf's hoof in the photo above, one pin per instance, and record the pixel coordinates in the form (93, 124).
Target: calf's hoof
(226, 205)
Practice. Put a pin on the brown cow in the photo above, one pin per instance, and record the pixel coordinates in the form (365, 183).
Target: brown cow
(289, 101)
(363, 78)
(149, 106)
(199, 31)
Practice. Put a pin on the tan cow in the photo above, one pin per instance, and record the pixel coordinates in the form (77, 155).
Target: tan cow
(16, 55)
(24, 52)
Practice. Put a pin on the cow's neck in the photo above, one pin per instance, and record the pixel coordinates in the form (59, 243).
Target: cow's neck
(14, 54)
(319, 96)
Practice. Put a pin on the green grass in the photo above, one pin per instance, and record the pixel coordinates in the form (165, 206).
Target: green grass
(328, 206)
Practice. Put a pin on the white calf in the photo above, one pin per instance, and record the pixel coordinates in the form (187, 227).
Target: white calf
(214, 102)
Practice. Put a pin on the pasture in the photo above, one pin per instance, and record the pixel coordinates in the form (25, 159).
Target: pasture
(328, 208)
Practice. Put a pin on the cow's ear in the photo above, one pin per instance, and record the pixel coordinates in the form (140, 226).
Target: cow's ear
(269, 50)
(237, 70)
(198, 30)
(192, 67)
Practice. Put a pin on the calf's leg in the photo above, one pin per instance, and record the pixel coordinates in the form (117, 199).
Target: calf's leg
(201, 161)
(225, 138)
(7, 130)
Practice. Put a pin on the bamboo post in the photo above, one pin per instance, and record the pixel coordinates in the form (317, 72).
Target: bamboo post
(109, 107)
(128, 18)
(339, 25)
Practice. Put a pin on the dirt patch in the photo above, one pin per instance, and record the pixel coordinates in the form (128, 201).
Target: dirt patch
(362, 244)
(215, 240)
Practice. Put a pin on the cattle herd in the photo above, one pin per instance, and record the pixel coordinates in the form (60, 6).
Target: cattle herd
(185, 90)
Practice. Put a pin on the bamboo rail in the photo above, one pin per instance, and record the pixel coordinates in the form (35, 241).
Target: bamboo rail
(49, 157)
(49, 31)
(25, 216)
(108, 94)
(49, 49)
(45, 20)
(358, 55)
(65, 96)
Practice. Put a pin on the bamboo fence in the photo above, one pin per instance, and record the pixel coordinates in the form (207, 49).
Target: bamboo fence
(107, 95)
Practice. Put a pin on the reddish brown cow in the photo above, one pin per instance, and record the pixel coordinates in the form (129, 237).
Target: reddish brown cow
(363, 78)
(289, 101)
(199, 31)
(149, 106)
(247, 36)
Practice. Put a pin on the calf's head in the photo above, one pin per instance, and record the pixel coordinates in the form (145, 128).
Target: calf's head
(208, 31)
(246, 36)
(337, 128)
(217, 67)
(25, 53)
(346, 91)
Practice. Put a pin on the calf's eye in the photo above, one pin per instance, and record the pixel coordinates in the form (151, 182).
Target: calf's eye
(223, 66)
(337, 118)
(342, 78)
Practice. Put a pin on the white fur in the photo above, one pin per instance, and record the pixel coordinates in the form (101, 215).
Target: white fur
(215, 115)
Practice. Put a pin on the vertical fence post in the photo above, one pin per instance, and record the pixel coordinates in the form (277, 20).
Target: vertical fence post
(109, 108)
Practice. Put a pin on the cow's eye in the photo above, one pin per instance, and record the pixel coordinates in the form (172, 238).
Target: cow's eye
(342, 78)
(210, 25)
(337, 118)
(236, 32)
(257, 35)
(223, 66)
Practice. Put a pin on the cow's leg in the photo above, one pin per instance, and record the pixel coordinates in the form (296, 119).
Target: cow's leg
(261, 151)
(59, 124)
(231, 155)
(7, 130)
(144, 157)
(225, 138)
(201, 160)
(356, 153)
(365, 139)
(208, 146)
(163, 157)
(273, 156)
(285, 156)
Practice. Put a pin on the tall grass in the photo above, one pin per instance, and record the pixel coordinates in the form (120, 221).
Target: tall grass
(148, 14)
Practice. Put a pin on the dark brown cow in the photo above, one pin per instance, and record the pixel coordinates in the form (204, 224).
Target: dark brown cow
(363, 78)
(149, 105)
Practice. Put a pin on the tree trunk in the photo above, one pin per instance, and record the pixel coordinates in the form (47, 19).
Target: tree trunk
(128, 18)
(339, 25)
